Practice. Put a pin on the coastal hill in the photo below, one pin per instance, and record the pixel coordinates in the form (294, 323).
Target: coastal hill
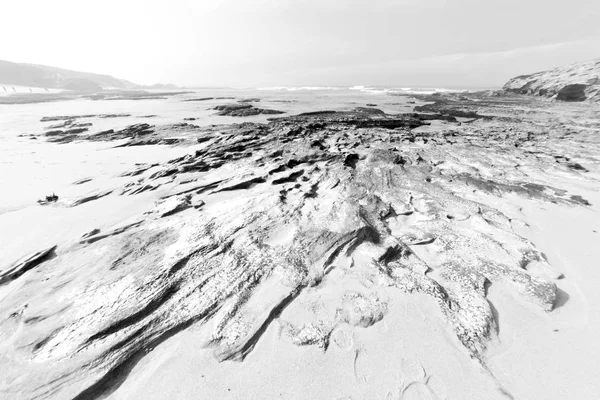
(44, 76)
(575, 82)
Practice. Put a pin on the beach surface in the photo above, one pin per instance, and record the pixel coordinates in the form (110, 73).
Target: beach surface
(319, 243)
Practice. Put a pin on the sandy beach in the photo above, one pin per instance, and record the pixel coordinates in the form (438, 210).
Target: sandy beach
(355, 246)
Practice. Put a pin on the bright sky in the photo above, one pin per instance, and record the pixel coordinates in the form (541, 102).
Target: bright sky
(452, 43)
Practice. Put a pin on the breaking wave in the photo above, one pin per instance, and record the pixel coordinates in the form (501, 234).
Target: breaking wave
(404, 90)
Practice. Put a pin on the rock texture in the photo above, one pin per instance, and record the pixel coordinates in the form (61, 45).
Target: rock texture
(243, 109)
(264, 219)
(575, 82)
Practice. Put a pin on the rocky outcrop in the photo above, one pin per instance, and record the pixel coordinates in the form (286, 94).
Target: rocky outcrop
(243, 109)
(575, 82)
(267, 218)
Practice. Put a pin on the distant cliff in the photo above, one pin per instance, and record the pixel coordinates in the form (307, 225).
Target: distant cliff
(57, 78)
(575, 82)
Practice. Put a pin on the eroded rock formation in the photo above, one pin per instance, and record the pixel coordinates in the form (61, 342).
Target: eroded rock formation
(266, 218)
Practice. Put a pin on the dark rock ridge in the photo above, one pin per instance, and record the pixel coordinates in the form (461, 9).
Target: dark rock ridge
(200, 99)
(243, 109)
(574, 83)
(452, 106)
(138, 134)
(25, 264)
(32, 98)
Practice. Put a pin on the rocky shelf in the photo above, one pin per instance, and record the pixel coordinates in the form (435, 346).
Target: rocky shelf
(277, 207)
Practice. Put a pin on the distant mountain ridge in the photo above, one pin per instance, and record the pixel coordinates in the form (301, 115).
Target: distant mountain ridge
(44, 76)
(574, 82)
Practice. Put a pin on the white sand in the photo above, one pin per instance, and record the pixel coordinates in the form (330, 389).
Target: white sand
(412, 353)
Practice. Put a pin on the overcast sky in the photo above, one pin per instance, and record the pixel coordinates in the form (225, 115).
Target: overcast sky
(432, 43)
